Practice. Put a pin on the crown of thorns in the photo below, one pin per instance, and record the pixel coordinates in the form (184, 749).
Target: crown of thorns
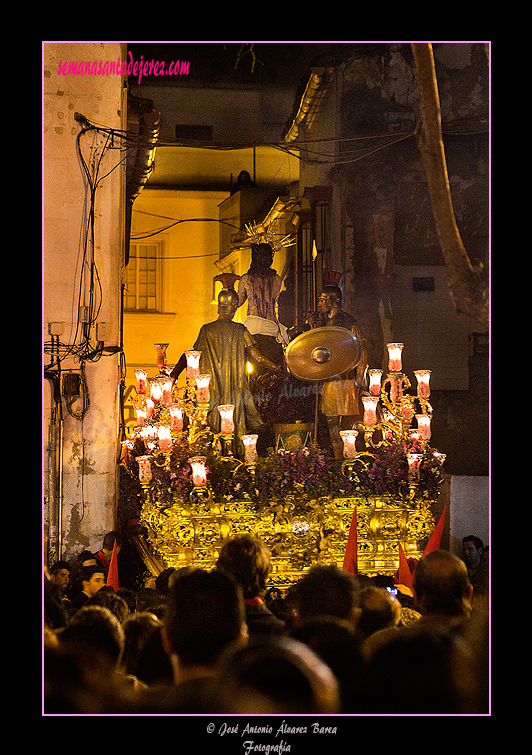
(268, 237)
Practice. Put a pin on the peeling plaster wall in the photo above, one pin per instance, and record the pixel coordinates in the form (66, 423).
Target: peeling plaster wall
(88, 504)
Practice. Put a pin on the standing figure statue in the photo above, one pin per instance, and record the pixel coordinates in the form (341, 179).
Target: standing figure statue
(225, 347)
(341, 401)
(260, 287)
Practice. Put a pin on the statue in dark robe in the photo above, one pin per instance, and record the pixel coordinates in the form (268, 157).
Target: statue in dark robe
(225, 348)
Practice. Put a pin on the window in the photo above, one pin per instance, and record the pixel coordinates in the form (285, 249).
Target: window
(143, 276)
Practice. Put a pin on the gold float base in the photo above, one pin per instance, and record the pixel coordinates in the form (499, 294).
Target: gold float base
(298, 533)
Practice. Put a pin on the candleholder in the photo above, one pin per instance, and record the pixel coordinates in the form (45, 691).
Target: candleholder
(423, 425)
(203, 395)
(423, 383)
(200, 487)
(349, 440)
(395, 356)
(145, 473)
(375, 378)
(161, 356)
(141, 378)
(193, 370)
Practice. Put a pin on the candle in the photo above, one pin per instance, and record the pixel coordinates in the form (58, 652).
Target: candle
(226, 415)
(144, 468)
(161, 354)
(394, 356)
(370, 410)
(150, 406)
(165, 437)
(141, 415)
(407, 411)
(176, 413)
(141, 380)
(439, 457)
(414, 462)
(127, 445)
(423, 425)
(423, 380)
(199, 474)
(156, 390)
(349, 438)
(166, 389)
(202, 384)
(375, 377)
(193, 358)
(396, 387)
(250, 448)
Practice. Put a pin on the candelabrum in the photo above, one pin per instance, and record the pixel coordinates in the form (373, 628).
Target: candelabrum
(167, 413)
(388, 416)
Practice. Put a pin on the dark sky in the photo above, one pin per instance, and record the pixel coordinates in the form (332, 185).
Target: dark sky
(217, 63)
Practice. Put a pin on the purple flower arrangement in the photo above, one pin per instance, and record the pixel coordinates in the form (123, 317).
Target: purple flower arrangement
(307, 474)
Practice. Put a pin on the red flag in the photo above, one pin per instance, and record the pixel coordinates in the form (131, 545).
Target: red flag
(403, 575)
(351, 556)
(435, 539)
(112, 574)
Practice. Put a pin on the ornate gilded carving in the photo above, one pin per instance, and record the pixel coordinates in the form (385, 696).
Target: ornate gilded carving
(299, 532)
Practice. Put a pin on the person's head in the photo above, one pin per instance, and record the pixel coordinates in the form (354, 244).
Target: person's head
(92, 579)
(331, 296)
(277, 675)
(247, 559)
(107, 598)
(86, 558)
(60, 573)
(472, 550)
(109, 541)
(162, 581)
(261, 259)
(441, 584)
(96, 630)
(379, 610)
(326, 590)
(204, 615)
(227, 303)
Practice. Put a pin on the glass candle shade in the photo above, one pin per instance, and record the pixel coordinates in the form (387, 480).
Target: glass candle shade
(166, 388)
(141, 415)
(423, 383)
(423, 426)
(161, 355)
(164, 436)
(156, 389)
(142, 381)
(396, 387)
(375, 377)
(395, 356)
(226, 417)
(193, 369)
(370, 410)
(176, 413)
(199, 473)
(250, 448)
(203, 394)
(349, 439)
(144, 463)
(414, 435)
(414, 463)
(439, 457)
(407, 411)
(150, 406)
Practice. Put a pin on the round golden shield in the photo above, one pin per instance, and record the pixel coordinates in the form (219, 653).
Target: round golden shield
(323, 353)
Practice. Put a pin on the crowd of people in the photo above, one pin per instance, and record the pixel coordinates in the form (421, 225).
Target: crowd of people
(224, 641)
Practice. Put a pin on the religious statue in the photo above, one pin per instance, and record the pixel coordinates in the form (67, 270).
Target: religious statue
(341, 402)
(225, 347)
